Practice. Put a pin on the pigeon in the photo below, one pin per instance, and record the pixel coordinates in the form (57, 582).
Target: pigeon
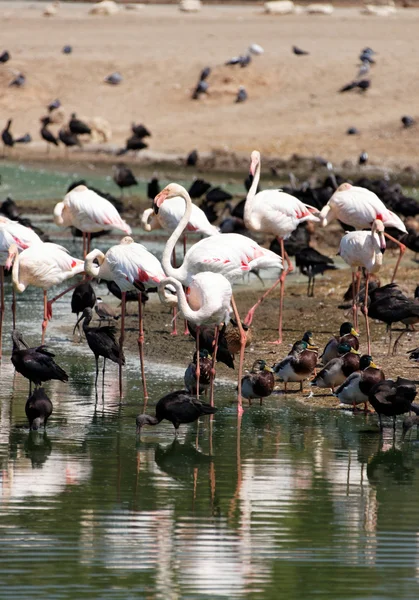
(407, 121)
(363, 158)
(24, 139)
(114, 78)
(67, 49)
(4, 56)
(241, 95)
(364, 68)
(18, 81)
(54, 105)
(205, 73)
(299, 52)
(352, 131)
(362, 85)
(256, 49)
(192, 159)
(201, 88)
(242, 60)
(367, 56)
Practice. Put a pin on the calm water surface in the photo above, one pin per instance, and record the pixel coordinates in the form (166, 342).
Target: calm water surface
(291, 502)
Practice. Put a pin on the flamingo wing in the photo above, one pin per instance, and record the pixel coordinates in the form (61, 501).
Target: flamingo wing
(91, 212)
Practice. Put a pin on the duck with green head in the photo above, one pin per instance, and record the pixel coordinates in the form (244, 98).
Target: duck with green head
(338, 369)
(347, 335)
(356, 388)
(259, 383)
(205, 363)
(299, 364)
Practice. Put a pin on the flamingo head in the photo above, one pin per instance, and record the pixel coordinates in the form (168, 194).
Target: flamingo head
(378, 228)
(254, 162)
(12, 253)
(170, 191)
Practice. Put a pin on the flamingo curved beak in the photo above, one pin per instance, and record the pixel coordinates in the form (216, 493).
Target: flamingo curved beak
(159, 199)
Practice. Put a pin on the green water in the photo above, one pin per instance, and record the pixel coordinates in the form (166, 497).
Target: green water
(291, 502)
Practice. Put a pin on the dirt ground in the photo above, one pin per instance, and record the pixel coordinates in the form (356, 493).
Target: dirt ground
(293, 106)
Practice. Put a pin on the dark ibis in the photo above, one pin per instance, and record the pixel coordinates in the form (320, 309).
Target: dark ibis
(391, 398)
(101, 342)
(312, 263)
(38, 409)
(179, 407)
(6, 136)
(124, 177)
(140, 131)
(77, 126)
(46, 134)
(36, 364)
(83, 296)
(192, 159)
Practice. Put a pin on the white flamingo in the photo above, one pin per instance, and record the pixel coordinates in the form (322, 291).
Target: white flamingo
(132, 267)
(43, 265)
(359, 207)
(364, 249)
(230, 254)
(168, 218)
(12, 232)
(89, 212)
(277, 213)
(207, 301)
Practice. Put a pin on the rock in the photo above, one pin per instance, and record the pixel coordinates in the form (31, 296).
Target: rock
(104, 8)
(379, 10)
(190, 5)
(280, 7)
(319, 9)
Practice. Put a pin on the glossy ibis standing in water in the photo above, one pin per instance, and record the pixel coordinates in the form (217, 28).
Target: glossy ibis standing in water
(36, 364)
(38, 409)
(101, 341)
(78, 127)
(178, 407)
(83, 296)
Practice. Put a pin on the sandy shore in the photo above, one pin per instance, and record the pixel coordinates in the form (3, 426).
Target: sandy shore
(293, 104)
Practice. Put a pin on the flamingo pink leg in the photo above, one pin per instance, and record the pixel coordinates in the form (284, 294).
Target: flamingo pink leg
(186, 330)
(402, 248)
(1, 308)
(121, 340)
(241, 359)
(141, 343)
(198, 362)
(214, 360)
(88, 242)
(174, 328)
(281, 280)
(51, 302)
(84, 244)
(365, 311)
(45, 321)
(356, 284)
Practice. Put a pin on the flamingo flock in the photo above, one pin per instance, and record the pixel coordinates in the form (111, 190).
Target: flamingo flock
(201, 285)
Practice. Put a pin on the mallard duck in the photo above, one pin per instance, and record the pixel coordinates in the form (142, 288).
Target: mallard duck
(177, 407)
(355, 389)
(205, 363)
(392, 398)
(259, 383)
(307, 338)
(338, 369)
(347, 335)
(298, 365)
(232, 335)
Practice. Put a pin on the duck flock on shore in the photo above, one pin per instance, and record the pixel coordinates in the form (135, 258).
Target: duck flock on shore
(200, 289)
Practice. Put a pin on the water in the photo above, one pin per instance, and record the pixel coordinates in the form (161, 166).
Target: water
(290, 502)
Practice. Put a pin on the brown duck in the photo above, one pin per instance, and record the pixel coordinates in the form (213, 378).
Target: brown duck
(338, 369)
(259, 383)
(347, 335)
(298, 365)
(356, 388)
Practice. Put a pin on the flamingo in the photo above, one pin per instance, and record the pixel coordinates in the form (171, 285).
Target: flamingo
(43, 265)
(277, 213)
(168, 217)
(207, 302)
(364, 249)
(230, 254)
(12, 232)
(359, 207)
(131, 266)
(89, 212)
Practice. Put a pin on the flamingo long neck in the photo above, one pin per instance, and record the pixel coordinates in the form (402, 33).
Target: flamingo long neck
(90, 267)
(377, 258)
(19, 287)
(250, 200)
(181, 273)
(189, 314)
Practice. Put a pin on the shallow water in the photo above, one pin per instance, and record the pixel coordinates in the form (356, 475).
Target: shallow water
(290, 502)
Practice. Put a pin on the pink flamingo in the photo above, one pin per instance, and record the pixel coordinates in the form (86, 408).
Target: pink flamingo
(89, 212)
(168, 217)
(12, 232)
(359, 207)
(230, 254)
(277, 213)
(364, 249)
(43, 265)
(207, 301)
(131, 266)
